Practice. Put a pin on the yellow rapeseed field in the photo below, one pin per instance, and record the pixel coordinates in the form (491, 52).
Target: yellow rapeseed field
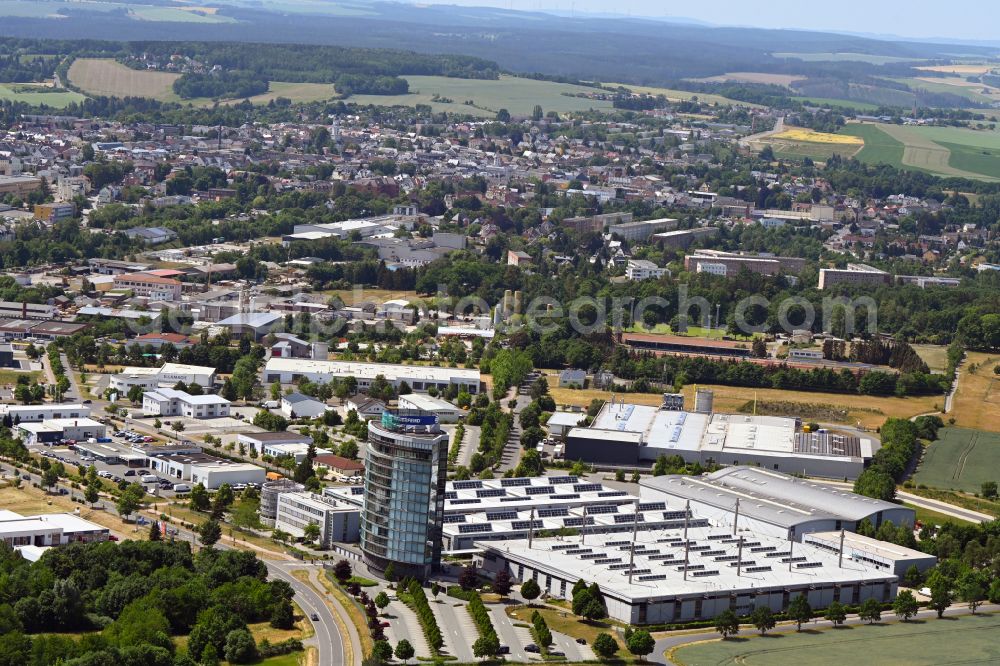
(807, 135)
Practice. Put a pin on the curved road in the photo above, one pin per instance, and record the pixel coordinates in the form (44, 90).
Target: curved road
(328, 639)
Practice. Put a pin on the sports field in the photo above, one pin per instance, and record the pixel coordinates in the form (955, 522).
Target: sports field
(107, 77)
(37, 95)
(519, 96)
(943, 151)
(977, 402)
(960, 459)
(967, 640)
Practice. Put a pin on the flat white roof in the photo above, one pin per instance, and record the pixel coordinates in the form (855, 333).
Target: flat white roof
(427, 403)
(661, 553)
(566, 419)
(82, 422)
(370, 370)
(184, 396)
(884, 549)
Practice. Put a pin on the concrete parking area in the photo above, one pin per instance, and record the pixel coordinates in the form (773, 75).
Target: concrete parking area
(515, 638)
(457, 627)
(403, 623)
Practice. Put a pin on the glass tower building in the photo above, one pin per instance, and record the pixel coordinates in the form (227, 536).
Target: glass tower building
(406, 467)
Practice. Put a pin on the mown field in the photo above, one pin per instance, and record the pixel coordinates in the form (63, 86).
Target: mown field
(107, 77)
(965, 640)
(870, 411)
(977, 402)
(37, 95)
(880, 148)
(756, 77)
(960, 459)
(519, 96)
(847, 103)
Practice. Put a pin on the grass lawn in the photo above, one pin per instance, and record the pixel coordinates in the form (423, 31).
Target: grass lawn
(566, 623)
(10, 376)
(927, 516)
(961, 459)
(28, 500)
(682, 95)
(871, 411)
(359, 296)
(977, 403)
(357, 616)
(104, 76)
(935, 356)
(846, 103)
(968, 640)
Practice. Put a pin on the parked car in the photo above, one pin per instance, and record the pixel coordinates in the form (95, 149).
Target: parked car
(384, 625)
(112, 537)
(314, 617)
(503, 649)
(581, 641)
(182, 488)
(531, 647)
(130, 472)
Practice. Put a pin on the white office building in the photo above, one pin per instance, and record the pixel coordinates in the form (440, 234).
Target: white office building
(53, 430)
(169, 402)
(298, 406)
(643, 269)
(47, 530)
(166, 375)
(37, 413)
(338, 522)
(444, 410)
(419, 378)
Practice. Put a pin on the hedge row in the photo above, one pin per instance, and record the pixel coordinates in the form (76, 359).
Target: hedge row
(540, 630)
(425, 615)
(481, 616)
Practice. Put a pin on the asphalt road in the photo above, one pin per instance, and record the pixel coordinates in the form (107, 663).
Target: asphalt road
(328, 639)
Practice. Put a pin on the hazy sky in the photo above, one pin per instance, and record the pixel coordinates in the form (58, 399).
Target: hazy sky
(957, 19)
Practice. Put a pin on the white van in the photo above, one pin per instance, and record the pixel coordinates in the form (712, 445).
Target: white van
(182, 488)
(149, 478)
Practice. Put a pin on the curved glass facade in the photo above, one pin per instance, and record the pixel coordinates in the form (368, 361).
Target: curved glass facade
(403, 509)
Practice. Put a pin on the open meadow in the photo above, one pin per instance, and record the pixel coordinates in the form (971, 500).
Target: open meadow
(965, 640)
(104, 76)
(765, 78)
(844, 57)
(38, 95)
(798, 143)
(519, 96)
(960, 459)
(977, 402)
(682, 95)
(845, 408)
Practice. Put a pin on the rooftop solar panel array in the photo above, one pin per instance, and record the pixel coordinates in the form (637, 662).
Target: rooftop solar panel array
(472, 528)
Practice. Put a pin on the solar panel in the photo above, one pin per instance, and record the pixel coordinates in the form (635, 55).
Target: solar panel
(525, 524)
(701, 574)
(612, 493)
(357, 490)
(539, 490)
(607, 560)
(565, 496)
(808, 565)
(466, 501)
(587, 487)
(577, 522)
(451, 494)
(664, 556)
(491, 492)
(637, 571)
(757, 569)
(520, 481)
(560, 480)
(604, 508)
(501, 515)
(472, 528)
(654, 577)
(466, 485)
(454, 518)
(627, 518)
(653, 506)
(551, 513)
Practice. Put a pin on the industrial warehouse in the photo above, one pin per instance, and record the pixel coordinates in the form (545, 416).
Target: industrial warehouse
(630, 435)
(417, 377)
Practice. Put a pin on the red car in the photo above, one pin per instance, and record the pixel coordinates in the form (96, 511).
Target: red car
(112, 537)
(383, 624)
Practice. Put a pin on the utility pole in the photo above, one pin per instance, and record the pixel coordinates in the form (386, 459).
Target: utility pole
(791, 545)
(739, 558)
(583, 527)
(635, 529)
(840, 557)
(736, 516)
(531, 527)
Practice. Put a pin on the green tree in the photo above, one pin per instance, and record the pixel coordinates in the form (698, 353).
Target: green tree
(92, 494)
(283, 615)
(311, 532)
(530, 590)
(404, 650)
(129, 500)
(836, 613)
(640, 643)
(486, 646)
(989, 488)
(154, 531)
(381, 600)
(870, 611)
(763, 619)
(382, 650)
(905, 606)
(209, 532)
(971, 589)
(200, 499)
(605, 646)
(876, 483)
(240, 647)
(727, 624)
(941, 596)
(799, 611)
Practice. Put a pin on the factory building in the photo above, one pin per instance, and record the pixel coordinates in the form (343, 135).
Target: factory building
(771, 503)
(419, 378)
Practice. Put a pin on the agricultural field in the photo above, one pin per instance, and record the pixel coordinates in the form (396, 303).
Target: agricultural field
(943, 151)
(517, 95)
(785, 80)
(297, 92)
(799, 143)
(960, 459)
(977, 401)
(179, 14)
(869, 411)
(38, 95)
(827, 101)
(935, 356)
(961, 69)
(964, 640)
(844, 57)
(682, 95)
(960, 87)
(104, 76)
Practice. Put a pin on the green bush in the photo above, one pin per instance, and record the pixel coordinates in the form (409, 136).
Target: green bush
(425, 615)
(481, 616)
